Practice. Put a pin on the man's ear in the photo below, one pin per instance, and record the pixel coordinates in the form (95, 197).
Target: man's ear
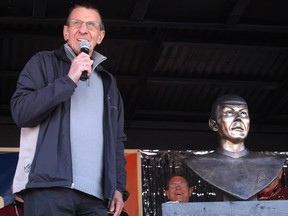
(65, 33)
(100, 36)
(167, 194)
(1, 202)
(213, 125)
(190, 191)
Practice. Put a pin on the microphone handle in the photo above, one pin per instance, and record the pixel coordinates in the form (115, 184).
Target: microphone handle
(84, 76)
(85, 49)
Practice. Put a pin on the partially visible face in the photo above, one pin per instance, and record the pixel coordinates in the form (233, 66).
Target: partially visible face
(233, 121)
(73, 35)
(178, 190)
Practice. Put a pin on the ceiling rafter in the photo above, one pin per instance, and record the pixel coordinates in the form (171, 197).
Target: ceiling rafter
(212, 82)
(39, 8)
(153, 24)
(146, 71)
(140, 10)
(278, 99)
(237, 12)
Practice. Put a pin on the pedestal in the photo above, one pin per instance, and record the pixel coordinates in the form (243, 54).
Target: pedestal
(237, 208)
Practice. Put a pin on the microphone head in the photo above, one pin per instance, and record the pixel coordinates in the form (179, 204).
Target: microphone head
(85, 46)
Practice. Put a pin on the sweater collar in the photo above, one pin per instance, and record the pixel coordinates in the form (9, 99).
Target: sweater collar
(96, 57)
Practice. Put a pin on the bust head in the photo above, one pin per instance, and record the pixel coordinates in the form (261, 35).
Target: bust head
(230, 118)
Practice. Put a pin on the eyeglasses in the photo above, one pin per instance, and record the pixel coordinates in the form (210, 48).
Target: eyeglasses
(91, 25)
(181, 185)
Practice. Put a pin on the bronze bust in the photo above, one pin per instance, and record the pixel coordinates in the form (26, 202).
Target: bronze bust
(239, 174)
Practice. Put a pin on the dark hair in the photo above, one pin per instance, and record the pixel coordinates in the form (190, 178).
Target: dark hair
(174, 175)
(226, 99)
(88, 5)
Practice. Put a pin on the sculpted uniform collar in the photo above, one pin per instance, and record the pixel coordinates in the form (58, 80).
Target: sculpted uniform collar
(232, 154)
(241, 175)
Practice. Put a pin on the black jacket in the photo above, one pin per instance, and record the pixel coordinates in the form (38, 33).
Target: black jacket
(42, 100)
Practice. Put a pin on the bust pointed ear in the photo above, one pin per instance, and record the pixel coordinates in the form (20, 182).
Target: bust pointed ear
(213, 125)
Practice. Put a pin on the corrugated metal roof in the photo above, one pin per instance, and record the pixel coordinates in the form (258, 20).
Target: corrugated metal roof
(171, 59)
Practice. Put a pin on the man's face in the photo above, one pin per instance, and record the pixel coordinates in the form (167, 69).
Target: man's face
(75, 32)
(178, 190)
(233, 121)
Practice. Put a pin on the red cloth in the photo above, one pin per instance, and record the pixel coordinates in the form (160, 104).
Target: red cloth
(10, 210)
(279, 193)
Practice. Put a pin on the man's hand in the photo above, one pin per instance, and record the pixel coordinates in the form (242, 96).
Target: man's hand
(117, 204)
(80, 63)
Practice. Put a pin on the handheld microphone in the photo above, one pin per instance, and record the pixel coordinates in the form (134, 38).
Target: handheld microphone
(84, 47)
